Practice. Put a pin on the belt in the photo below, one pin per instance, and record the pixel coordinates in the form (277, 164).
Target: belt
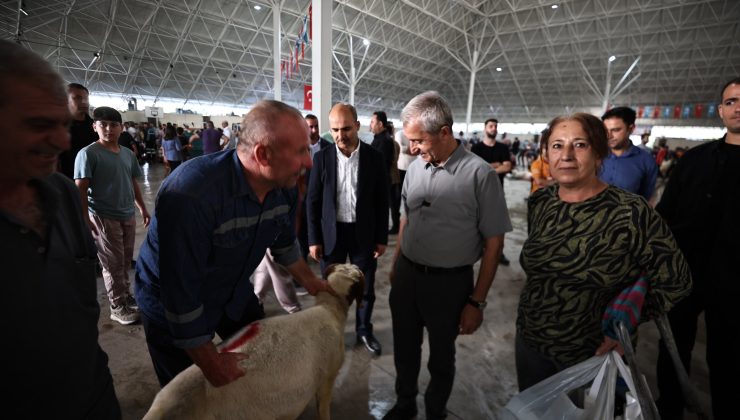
(436, 270)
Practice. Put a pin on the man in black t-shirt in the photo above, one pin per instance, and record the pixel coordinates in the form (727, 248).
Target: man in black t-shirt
(81, 130)
(127, 140)
(497, 155)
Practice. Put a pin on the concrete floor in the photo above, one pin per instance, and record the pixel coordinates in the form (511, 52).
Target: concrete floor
(485, 378)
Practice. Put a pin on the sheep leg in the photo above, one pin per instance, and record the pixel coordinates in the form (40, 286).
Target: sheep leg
(323, 398)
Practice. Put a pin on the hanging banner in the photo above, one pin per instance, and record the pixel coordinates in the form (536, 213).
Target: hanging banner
(307, 97)
(667, 112)
(686, 113)
(656, 112)
(698, 111)
(641, 112)
(712, 111)
(677, 111)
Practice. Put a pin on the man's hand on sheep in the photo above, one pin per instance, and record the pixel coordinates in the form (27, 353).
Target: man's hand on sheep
(316, 285)
(219, 368)
(303, 274)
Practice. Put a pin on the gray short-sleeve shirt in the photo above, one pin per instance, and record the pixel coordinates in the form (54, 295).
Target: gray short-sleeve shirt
(111, 191)
(451, 210)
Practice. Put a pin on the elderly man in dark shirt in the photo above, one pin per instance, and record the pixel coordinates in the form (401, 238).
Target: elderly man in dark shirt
(54, 364)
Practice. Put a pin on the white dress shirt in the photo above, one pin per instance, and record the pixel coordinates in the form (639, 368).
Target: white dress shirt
(347, 170)
(315, 148)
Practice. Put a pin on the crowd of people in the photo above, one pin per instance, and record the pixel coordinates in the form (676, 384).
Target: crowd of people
(527, 154)
(263, 200)
(153, 143)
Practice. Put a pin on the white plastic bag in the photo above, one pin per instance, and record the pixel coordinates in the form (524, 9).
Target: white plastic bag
(548, 400)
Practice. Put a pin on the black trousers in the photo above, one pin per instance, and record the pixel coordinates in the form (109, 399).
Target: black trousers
(169, 360)
(433, 300)
(346, 246)
(532, 366)
(723, 343)
(394, 199)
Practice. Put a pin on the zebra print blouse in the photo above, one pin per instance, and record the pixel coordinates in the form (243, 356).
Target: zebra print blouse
(579, 256)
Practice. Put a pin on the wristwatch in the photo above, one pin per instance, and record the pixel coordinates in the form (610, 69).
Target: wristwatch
(478, 305)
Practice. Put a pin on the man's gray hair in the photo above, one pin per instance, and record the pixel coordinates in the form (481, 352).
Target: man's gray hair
(261, 122)
(17, 64)
(430, 109)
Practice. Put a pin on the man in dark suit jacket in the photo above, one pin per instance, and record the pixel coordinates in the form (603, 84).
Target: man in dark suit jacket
(347, 209)
(317, 143)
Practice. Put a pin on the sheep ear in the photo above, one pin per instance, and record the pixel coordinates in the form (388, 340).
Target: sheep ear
(330, 269)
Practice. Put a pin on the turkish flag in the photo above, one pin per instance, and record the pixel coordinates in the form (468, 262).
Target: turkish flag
(307, 97)
(698, 111)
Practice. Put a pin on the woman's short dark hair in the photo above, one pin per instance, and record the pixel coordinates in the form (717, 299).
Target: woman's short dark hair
(595, 132)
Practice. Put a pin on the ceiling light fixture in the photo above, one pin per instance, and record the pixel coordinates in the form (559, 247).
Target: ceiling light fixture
(554, 6)
(257, 7)
(612, 58)
(365, 42)
(498, 69)
(96, 56)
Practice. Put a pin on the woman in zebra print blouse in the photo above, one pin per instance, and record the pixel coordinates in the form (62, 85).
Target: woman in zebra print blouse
(587, 241)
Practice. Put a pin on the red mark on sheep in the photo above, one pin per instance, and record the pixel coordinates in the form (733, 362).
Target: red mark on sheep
(252, 330)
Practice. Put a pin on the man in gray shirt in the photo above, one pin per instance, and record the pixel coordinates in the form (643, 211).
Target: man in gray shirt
(453, 213)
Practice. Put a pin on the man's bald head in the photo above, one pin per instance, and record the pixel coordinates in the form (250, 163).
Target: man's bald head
(344, 107)
(344, 127)
(262, 123)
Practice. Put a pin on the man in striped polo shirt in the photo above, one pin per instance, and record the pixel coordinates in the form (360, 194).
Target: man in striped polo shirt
(214, 220)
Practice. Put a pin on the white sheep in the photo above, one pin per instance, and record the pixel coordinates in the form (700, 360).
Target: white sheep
(292, 358)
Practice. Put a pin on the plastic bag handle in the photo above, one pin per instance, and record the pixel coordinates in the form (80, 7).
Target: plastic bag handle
(624, 372)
